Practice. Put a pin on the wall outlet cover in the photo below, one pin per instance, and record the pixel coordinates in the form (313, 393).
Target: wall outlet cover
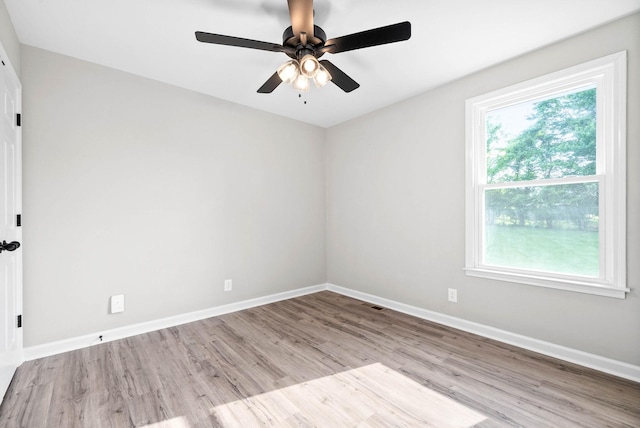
(453, 295)
(117, 303)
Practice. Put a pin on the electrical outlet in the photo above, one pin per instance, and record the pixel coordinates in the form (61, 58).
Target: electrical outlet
(228, 285)
(117, 303)
(453, 295)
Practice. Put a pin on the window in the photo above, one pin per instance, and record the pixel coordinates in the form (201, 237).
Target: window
(545, 184)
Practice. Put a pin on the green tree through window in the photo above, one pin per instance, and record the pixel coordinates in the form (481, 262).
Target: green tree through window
(561, 142)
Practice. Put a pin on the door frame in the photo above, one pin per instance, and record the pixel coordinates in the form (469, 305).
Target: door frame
(13, 76)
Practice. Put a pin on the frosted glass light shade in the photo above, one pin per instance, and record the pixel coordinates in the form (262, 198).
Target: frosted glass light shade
(309, 66)
(288, 72)
(301, 83)
(322, 77)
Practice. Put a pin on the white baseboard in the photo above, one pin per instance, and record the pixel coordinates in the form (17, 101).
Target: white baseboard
(71, 344)
(603, 364)
(607, 365)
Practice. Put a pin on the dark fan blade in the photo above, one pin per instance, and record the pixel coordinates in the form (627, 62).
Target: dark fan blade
(338, 77)
(377, 36)
(301, 13)
(270, 84)
(219, 39)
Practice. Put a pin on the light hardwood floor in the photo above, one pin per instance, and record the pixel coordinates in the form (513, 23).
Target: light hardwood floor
(322, 360)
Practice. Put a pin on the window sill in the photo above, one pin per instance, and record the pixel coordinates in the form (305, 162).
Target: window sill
(557, 283)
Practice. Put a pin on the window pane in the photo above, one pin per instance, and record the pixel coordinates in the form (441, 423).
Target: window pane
(544, 228)
(543, 139)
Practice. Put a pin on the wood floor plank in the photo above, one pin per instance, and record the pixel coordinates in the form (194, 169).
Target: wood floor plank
(322, 360)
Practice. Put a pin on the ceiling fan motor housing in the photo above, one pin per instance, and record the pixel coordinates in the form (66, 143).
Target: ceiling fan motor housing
(315, 41)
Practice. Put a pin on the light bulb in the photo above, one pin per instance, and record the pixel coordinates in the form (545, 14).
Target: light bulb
(322, 77)
(288, 71)
(309, 66)
(301, 83)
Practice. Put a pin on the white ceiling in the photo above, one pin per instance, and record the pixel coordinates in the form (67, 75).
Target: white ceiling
(450, 39)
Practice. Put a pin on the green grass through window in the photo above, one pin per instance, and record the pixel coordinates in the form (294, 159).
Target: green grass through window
(552, 250)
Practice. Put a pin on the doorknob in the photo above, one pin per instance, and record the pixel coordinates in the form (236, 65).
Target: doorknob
(11, 246)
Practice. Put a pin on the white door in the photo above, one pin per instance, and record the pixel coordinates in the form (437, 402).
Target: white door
(10, 230)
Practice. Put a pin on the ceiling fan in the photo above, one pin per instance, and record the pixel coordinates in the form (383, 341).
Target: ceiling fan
(305, 42)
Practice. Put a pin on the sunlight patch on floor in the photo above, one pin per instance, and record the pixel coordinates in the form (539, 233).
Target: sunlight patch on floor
(179, 422)
(369, 396)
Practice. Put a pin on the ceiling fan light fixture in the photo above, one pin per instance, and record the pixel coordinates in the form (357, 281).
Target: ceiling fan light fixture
(309, 66)
(288, 72)
(301, 83)
(322, 77)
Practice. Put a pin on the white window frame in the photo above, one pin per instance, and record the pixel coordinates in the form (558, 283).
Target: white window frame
(609, 76)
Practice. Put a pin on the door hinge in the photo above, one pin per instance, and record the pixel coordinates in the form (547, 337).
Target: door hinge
(19, 119)
(19, 321)
(19, 220)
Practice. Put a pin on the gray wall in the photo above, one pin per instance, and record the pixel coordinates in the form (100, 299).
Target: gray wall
(136, 187)
(395, 212)
(9, 39)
